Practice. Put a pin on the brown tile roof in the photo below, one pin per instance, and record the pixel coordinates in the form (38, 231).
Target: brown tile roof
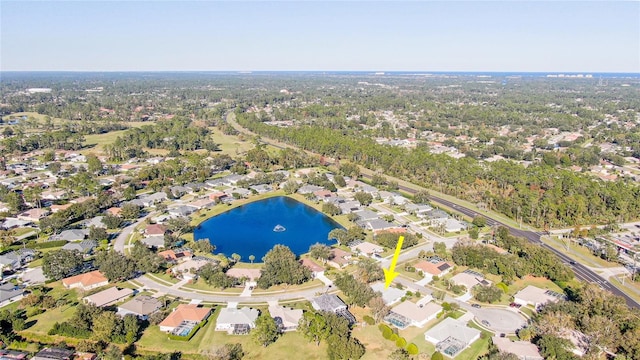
(155, 229)
(189, 312)
(86, 279)
(311, 265)
(431, 268)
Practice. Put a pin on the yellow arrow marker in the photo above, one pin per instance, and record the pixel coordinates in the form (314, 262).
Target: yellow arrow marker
(390, 274)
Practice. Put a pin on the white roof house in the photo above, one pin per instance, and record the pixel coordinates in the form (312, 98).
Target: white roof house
(408, 313)
(367, 248)
(469, 279)
(524, 350)
(390, 295)
(230, 319)
(287, 319)
(451, 336)
(535, 296)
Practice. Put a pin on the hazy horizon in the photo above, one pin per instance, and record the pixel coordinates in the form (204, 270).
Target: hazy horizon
(430, 36)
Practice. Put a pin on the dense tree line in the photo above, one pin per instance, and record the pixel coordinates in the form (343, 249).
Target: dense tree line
(357, 292)
(98, 324)
(523, 259)
(335, 330)
(539, 194)
(605, 321)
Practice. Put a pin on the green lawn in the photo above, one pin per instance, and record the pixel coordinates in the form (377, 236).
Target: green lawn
(96, 142)
(289, 346)
(44, 322)
(231, 144)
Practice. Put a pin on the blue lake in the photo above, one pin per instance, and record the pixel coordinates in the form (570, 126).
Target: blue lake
(249, 229)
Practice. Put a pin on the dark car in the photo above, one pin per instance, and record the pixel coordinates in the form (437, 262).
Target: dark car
(477, 306)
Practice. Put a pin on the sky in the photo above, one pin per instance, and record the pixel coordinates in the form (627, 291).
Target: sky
(518, 36)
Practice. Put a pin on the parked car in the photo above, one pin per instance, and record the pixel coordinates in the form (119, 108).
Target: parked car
(486, 323)
(477, 306)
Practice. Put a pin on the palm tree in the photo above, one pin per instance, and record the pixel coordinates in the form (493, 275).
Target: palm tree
(236, 257)
(251, 258)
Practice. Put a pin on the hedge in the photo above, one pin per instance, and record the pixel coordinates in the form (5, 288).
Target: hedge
(369, 320)
(47, 244)
(190, 335)
(401, 342)
(412, 349)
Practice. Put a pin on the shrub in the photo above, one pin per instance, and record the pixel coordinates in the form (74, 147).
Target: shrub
(394, 337)
(502, 286)
(401, 342)
(387, 333)
(369, 320)
(437, 356)
(47, 244)
(412, 349)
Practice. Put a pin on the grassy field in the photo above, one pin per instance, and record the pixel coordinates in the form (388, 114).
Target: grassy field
(289, 346)
(577, 252)
(231, 144)
(95, 143)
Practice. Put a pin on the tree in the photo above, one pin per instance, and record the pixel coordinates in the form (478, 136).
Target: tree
(104, 325)
(440, 249)
(474, 233)
(399, 354)
(266, 330)
(97, 233)
(479, 221)
(145, 259)
(14, 202)
(60, 263)
(369, 270)
(290, 187)
(488, 294)
(236, 257)
(131, 328)
(339, 180)
(227, 352)
(94, 165)
(204, 245)
(115, 266)
(251, 258)
(358, 292)
(313, 327)
(282, 267)
(320, 252)
(340, 235)
(111, 222)
(378, 308)
(112, 352)
(179, 226)
(331, 209)
(343, 347)
(421, 197)
(437, 356)
(363, 198)
(130, 211)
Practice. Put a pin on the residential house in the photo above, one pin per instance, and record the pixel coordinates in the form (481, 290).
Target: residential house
(524, 350)
(95, 222)
(70, 235)
(434, 268)
(313, 266)
(251, 275)
(194, 187)
(372, 190)
(469, 279)
(435, 217)
(141, 306)
(332, 303)
(451, 336)
(108, 297)
(81, 199)
(153, 241)
(377, 225)
(56, 208)
(237, 321)
(408, 313)
(339, 258)
(151, 200)
(184, 313)
(13, 260)
(13, 355)
(12, 223)
(202, 203)
(115, 211)
(155, 229)
(348, 207)
(390, 295)
(176, 255)
(366, 215)
(10, 293)
(262, 188)
(535, 296)
(53, 195)
(178, 191)
(54, 354)
(188, 269)
(182, 211)
(417, 209)
(241, 192)
(367, 248)
(34, 214)
(86, 281)
(287, 319)
(309, 189)
(217, 196)
(453, 225)
(84, 246)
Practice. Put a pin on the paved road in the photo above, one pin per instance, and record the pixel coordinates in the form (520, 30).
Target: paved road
(582, 272)
(307, 294)
(500, 320)
(123, 237)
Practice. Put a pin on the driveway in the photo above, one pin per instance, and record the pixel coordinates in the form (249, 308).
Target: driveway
(500, 320)
(122, 238)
